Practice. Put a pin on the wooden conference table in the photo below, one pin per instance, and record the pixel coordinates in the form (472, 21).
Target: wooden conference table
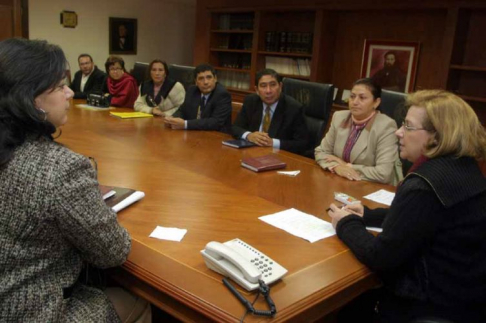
(192, 181)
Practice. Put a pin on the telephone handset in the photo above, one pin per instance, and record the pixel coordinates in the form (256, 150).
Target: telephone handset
(243, 263)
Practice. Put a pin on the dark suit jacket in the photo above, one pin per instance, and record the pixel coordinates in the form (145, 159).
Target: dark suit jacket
(95, 83)
(215, 116)
(288, 124)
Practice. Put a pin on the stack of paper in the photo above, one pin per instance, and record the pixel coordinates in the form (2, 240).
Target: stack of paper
(300, 224)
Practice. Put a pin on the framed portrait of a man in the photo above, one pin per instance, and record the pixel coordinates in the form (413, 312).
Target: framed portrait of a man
(391, 64)
(123, 36)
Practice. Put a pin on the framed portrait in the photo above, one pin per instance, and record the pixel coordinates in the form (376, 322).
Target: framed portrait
(123, 36)
(391, 64)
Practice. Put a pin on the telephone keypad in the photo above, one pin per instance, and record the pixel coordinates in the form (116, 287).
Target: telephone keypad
(262, 262)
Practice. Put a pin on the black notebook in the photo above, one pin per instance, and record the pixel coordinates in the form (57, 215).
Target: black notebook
(119, 198)
(238, 143)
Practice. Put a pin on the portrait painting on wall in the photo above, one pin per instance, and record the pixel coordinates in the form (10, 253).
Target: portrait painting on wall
(392, 64)
(123, 36)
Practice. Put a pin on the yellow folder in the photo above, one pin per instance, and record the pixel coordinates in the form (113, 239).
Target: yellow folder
(127, 115)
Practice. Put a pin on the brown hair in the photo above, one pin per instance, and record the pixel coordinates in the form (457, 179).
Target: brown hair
(456, 127)
(112, 60)
(166, 68)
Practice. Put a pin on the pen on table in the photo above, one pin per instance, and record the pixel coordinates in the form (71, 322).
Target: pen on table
(342, 208)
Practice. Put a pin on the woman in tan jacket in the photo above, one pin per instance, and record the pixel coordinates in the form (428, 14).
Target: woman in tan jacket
(361, 142)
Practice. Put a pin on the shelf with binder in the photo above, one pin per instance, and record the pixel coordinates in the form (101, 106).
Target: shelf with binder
(232, 41)
(234, 79)
(287, 66)
(231, 60)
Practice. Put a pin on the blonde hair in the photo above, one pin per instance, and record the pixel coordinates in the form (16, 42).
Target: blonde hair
(456, 127)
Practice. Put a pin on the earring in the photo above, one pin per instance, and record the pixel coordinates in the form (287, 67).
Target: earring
(44, 113)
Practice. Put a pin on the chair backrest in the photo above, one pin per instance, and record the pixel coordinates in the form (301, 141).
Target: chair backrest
(393, 105)
(140, 72)
(182, 74)
(317, 101)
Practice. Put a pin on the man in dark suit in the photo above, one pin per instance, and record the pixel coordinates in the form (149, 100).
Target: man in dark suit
(88, 78)
(270, 118)
(207, 105)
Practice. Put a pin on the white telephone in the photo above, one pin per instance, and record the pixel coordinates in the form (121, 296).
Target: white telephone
(243, 263)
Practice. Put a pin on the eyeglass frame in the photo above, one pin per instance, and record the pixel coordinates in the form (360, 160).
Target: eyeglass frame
(410, 128)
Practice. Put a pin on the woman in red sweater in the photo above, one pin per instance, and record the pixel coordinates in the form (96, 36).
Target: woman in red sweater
(122, 86)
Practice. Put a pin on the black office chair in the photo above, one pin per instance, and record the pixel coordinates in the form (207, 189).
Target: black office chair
(393, 105)
(317, 101)
(140, 72)
(182, 74)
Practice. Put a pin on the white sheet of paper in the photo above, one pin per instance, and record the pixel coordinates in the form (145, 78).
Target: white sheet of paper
(172, 234)
(289, 173)
(300, 224)
(381, 196)
(90, 107)
(335, 93)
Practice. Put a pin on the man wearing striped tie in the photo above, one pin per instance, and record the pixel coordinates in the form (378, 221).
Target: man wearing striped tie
(270, 118)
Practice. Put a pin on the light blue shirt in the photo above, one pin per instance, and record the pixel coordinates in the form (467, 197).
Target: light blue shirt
(276, 142)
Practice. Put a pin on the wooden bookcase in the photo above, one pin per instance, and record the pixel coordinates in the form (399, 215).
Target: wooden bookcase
(451, 57)
(467, 71)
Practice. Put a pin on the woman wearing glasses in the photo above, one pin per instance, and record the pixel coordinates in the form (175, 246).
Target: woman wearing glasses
(361, 142)
(121, 85)
(161, 95)
(431, 254)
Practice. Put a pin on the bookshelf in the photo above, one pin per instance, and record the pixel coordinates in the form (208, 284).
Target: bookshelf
(231, 48)
(241, 43)
(449, 32)
(467, 71)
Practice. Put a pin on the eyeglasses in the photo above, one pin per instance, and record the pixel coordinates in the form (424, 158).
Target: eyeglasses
(410, 128)
(115, 69)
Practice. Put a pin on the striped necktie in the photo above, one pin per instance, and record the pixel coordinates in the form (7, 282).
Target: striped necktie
(266, 120)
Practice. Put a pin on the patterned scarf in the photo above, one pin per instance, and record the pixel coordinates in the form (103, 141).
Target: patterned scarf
(356, 128)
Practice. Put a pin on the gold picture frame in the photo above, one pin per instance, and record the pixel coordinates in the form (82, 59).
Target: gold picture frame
(69, 19)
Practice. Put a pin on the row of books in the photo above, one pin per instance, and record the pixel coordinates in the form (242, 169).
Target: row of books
(235, 41)
(288, 42)
(234, 79)
(235, 60)
(242, 21)
(291, 66)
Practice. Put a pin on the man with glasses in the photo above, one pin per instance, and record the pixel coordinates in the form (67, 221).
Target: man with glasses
(207, 105)
(89, 78)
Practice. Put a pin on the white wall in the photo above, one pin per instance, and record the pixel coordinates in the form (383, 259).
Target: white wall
(165, 28)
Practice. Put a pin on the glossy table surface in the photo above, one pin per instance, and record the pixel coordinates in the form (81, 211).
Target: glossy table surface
(194, 182)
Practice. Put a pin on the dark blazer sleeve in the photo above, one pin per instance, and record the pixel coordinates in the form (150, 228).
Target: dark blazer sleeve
(186, 106)
(293, 133)
(95, 81)
(249, 117)
(76, 85)
(217, 114)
